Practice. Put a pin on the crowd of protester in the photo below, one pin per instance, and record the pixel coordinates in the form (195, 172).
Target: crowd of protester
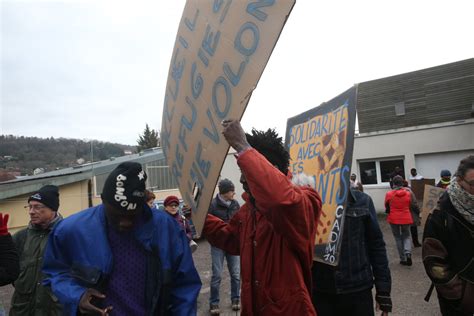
(126, 257)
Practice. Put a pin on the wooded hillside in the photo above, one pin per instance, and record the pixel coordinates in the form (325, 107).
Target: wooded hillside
(25, 154)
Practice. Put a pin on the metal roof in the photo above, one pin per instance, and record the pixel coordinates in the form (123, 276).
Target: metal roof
(74, 174)
(434, 95)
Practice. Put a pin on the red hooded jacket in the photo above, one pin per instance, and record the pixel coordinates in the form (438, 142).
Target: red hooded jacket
(275, 240)
(399, 200)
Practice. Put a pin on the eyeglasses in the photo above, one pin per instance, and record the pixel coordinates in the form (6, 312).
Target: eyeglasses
(35, 208)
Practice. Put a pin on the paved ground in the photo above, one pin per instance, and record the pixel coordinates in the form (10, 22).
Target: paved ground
(409, 284)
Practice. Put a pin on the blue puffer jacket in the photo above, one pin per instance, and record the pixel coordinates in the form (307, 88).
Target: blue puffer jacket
(363, 259)
(78, 257)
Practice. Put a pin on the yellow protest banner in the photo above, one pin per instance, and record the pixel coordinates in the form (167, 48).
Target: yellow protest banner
(320, 142)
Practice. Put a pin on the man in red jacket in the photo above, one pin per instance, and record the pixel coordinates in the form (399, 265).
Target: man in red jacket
(273, 232)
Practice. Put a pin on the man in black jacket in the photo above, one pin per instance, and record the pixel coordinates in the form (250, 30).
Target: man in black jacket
(224, 206)
(31, 297)
(347, 288)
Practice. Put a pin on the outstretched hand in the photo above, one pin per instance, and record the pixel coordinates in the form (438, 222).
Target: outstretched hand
(235, 135)
(86, 306)
(4, 224)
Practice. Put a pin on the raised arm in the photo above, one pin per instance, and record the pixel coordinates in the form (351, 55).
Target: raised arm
(9, 265)
(291, 209)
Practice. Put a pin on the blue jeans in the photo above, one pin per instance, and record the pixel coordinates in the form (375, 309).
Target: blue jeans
(233, 263)
(402, 236)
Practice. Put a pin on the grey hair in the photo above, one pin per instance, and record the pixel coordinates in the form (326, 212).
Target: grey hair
(302, 179)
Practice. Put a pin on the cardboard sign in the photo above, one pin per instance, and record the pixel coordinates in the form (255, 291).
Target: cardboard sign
(320, 142)
(430, 200)
(418, 187)
(220, 52)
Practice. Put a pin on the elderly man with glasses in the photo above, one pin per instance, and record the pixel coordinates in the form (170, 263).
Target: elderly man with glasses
(30, 297)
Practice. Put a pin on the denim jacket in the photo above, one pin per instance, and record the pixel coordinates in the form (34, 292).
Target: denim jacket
(363, 259)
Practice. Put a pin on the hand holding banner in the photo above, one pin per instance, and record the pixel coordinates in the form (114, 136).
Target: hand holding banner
(220, 53)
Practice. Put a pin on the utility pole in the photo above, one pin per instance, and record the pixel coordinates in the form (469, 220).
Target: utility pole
(92, 151)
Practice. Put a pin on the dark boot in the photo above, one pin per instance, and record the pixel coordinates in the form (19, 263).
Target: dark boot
(408, 262)
(214, 309)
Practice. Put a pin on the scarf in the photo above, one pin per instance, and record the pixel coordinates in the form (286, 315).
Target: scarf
(463, 201)
(51, 224)
(227, 203)
(444, 181)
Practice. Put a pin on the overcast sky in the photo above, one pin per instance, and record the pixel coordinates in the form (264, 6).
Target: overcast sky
(94, 69)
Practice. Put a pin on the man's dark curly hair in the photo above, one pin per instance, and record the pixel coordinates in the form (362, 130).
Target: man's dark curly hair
(270, 145)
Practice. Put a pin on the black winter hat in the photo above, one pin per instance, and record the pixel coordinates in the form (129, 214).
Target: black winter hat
(225, 185)
(48, 195)
(445, 173)
(124, 188)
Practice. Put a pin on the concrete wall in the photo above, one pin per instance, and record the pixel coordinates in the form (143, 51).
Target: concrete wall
(408, 143)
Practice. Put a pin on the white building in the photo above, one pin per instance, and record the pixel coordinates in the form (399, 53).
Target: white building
(422, 119)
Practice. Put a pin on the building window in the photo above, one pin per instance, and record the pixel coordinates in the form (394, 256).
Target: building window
(368, 172)
(400, 108)
(388, 166)
(379, 171)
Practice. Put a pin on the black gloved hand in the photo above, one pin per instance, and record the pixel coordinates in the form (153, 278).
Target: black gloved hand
(384, 301)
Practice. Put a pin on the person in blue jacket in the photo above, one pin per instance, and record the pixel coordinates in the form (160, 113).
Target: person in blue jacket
(120, 256)
(346, 289)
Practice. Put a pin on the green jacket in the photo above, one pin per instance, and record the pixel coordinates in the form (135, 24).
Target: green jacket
(30, 296)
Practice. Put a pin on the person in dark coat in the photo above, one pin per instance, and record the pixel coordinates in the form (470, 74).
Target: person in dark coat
(347, 288)
(224, 206)
(445, 180)
(448, 244)
(30, 296)
(171, 205)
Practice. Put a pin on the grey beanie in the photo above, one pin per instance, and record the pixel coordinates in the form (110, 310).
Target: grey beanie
(225, 185)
